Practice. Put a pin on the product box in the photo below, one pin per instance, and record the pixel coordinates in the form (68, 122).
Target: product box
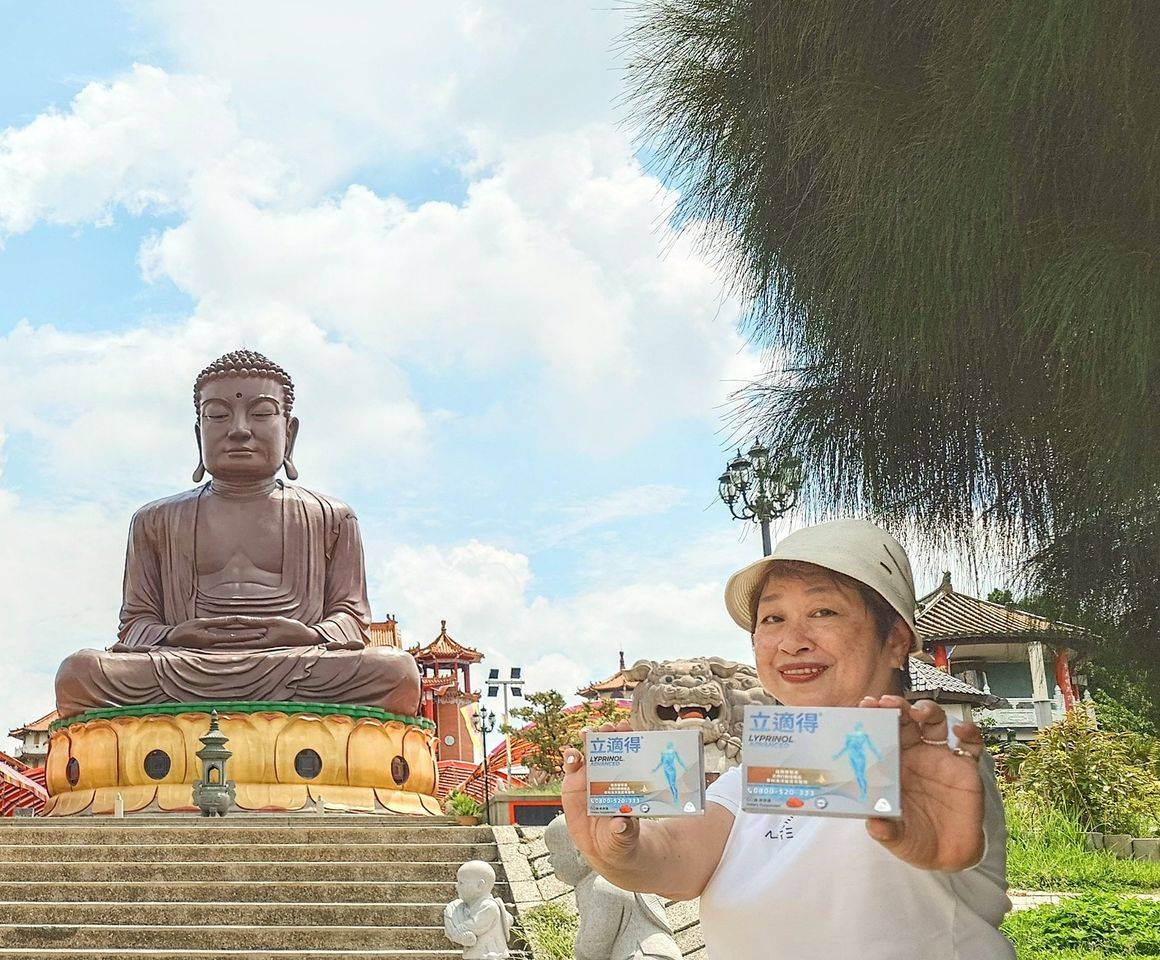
(645, 773)
(824, 761)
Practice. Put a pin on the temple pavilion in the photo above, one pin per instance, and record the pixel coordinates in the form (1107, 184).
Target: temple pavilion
(617, 687)
(445, 668)
(1031, 665)
(33, 739)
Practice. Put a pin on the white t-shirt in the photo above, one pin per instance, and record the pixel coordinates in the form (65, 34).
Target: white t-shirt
(799, 888)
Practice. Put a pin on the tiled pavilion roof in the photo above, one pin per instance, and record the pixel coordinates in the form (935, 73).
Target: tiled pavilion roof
(20, 786)
(37, 726)
(385, 633)
(445, 648)
(947, 616)
(932, 684)
(618, 681)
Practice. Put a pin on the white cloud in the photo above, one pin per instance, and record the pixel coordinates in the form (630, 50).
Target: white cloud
(111, 414)
(370, 80)
(136, 143)
(561, 258)
(488, 598)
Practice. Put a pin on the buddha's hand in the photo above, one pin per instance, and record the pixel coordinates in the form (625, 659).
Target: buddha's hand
(226, 634)
(259, 633)
(605, 842)
(941, 827)
(205, 633)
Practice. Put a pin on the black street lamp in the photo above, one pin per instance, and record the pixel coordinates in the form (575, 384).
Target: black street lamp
(485, 723)
(756, 488)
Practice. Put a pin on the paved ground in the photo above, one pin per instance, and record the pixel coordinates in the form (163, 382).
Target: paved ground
(1026, 899)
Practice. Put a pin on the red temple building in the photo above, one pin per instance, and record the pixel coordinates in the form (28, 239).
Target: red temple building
(445, 668)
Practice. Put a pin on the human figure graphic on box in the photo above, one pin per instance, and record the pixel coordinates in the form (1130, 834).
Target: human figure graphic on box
(669, 760)
(857, 743)
(477, 921)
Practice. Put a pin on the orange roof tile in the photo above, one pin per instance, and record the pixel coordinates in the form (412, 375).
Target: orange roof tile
(618, 681)
(444, 648)
(385, 633)
(37, 726)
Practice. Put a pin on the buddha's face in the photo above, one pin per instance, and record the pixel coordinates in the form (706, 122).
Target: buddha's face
(243, 428)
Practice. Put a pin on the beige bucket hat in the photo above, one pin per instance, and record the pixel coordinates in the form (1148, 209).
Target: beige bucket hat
(856, 548)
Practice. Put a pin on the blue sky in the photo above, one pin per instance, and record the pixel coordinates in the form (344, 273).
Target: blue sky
(437, 221)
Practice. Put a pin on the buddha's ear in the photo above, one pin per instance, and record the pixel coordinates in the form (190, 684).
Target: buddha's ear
(199, 472)
(291, 437)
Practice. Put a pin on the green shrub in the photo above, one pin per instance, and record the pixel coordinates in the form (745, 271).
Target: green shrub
(1098, 777)
(551, 931)
(1118, 926)
(1045, 851)
(461, 805)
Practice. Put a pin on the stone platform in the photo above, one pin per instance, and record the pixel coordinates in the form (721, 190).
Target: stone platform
(286, 757)
(247, 888)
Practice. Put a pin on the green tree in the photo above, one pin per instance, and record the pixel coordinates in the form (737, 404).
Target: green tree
(551, 727)
(945, 218)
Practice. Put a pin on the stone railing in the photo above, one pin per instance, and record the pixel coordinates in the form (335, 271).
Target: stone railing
(1124, 845)
(533, 883)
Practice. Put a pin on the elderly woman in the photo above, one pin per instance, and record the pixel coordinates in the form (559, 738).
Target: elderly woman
(831, 614)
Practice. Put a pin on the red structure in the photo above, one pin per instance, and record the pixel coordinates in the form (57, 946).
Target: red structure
(20, 786)
(445, 666)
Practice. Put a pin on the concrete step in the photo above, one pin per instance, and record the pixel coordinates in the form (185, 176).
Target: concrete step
(71, 953)
(197, 833)
(227, 914)
(234, 891)
(340, 871)
(241, 852)
(170, 937)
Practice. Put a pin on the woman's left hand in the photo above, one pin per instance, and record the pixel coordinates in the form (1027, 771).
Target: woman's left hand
(941, 827)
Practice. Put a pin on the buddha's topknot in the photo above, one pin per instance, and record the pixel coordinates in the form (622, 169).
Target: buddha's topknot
(246, 363)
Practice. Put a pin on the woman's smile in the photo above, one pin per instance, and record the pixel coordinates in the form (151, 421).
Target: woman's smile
(802, 672)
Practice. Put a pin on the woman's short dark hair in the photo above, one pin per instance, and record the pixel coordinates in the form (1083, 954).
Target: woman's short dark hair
(883, 615)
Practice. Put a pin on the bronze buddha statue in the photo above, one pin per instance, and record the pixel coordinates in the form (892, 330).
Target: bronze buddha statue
(246, 587)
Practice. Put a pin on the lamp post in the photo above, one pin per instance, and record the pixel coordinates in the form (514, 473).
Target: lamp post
(755, 487)
(516, 682)
(485, 723)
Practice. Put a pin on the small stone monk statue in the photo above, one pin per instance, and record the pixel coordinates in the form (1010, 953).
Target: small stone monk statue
(615, 924)
(244, 588)
(477, 921)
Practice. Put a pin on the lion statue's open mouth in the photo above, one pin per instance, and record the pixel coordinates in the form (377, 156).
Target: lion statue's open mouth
(690, 711)
(705, 693)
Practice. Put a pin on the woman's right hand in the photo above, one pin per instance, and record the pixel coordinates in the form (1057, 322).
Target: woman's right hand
(607, 843)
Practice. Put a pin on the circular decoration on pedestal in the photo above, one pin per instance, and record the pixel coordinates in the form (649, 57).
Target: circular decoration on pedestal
(157, 764)
(449, 740)
(307, 764)
(286, 755)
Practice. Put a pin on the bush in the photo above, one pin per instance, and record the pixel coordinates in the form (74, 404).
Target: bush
(1101, 779)
(1045, 851)
(1117, 926)
(461, 805)
(551, 931)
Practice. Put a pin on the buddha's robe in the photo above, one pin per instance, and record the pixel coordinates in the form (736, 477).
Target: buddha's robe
(323, 585)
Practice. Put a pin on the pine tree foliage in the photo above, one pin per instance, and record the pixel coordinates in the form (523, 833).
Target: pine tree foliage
(946, 219)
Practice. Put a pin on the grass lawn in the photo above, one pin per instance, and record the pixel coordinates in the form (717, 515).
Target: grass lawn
(1045, 852)
(1093, 926)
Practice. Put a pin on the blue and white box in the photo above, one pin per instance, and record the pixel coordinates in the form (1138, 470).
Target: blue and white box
(822, 761)
(645, 773)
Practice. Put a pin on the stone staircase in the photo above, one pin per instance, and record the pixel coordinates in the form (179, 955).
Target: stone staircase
(242, 888)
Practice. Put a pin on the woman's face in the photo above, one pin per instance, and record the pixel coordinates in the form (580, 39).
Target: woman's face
(815, 643)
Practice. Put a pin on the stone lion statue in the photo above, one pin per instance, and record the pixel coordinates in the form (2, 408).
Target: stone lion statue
(705, 693)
